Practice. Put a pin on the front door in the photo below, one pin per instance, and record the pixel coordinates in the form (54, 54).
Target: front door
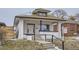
(30, 29)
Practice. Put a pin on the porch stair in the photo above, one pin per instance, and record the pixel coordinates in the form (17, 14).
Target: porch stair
(38, 37)
(49, 45)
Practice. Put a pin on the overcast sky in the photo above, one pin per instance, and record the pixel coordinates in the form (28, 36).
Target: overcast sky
(7, 14)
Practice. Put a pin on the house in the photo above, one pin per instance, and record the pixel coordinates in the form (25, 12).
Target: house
(40, 26)
(72, 29)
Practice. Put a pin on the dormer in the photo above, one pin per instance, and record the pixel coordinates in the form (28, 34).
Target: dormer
(40, 12)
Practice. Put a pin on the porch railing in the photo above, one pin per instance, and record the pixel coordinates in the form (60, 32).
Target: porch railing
(54, 39)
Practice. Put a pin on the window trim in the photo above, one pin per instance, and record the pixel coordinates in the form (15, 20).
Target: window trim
(55, 26)
(33, 29)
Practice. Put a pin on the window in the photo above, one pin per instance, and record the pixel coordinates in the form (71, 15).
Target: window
(45, 27)
(72, 27)
(41, 14)
(55, 27)
(30, 28)
(65, 30)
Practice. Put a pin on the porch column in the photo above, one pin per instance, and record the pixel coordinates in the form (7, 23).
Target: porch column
(61, 34)
(60, 30)
(40, 24)
(20, 27)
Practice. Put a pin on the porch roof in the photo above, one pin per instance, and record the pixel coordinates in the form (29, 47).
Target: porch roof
(39, 17)
(45, 18)
(40, 10)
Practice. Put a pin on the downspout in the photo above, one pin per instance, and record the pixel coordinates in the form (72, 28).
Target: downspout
(40, 25)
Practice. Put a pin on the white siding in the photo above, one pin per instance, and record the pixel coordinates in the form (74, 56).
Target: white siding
(51, 33)
(37, 28)
(59, 30)
(20, 26)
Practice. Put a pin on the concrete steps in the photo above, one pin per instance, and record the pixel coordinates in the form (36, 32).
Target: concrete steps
(49, 45)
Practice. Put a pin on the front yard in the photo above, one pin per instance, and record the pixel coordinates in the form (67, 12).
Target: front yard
(21, 45)
(70, 43)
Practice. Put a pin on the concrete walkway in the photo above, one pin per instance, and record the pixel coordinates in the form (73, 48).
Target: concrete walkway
(55, 48)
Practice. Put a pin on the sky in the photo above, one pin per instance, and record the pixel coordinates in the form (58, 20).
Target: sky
(7, 14)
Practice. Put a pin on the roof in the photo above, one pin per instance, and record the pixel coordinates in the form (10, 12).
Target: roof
(2, 24)
(39, 17)
(71, 21)
(46, 18)
(40, 10)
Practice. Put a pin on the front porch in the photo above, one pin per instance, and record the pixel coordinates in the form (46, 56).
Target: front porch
(45, 30)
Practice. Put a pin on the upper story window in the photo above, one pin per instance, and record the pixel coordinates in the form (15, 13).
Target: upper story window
(41, 14)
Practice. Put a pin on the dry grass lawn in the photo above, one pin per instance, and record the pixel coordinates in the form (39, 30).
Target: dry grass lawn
(69, 43)
(22, 45)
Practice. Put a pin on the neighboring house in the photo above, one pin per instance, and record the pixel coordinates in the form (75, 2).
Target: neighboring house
(72, 29)
(40, 26)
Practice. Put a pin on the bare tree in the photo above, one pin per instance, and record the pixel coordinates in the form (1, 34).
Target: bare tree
(77, 15)
(60, 13)
(72, 17)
